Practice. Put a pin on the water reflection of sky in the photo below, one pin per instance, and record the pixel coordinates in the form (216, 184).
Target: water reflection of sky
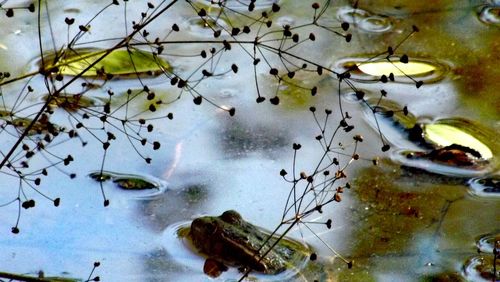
(213, 162)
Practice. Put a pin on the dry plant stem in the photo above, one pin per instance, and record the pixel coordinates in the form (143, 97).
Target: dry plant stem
(121, 44)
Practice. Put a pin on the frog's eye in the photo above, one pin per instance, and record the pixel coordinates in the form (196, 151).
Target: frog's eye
(231, 216)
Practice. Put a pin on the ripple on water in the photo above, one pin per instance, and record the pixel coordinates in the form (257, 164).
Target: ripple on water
(364, 69)
(488, 186)
(480, 268)
(239, 5)
(487, 243)
(490, 15)
(177, 243)
(364, 20)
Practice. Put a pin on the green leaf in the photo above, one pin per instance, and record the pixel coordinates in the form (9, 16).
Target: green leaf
(121, 62)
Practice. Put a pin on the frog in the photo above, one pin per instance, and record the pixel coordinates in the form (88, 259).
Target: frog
(453, 155)
(232, 241)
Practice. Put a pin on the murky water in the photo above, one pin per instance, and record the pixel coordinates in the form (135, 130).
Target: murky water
(406, 219)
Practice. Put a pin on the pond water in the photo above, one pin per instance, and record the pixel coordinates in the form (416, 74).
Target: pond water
(428, 116)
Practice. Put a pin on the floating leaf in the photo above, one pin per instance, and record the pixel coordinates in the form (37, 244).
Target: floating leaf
(412, 68)
(119, 62)
(134, 183)
(445, 135)
(367, 69)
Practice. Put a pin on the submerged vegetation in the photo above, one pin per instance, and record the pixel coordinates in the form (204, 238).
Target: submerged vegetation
(260, 90)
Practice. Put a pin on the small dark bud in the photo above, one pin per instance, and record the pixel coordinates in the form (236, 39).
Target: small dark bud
(275, 8)
(314, 91)
(404, 59)
(156, 145)
(197, 100)
(202, 12)
(345, 26)
(275, 100)
(313, 257)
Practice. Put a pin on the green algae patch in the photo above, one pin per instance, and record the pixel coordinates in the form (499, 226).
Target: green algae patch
(121, 62)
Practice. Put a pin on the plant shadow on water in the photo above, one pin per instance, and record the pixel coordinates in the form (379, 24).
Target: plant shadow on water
(363, 129)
